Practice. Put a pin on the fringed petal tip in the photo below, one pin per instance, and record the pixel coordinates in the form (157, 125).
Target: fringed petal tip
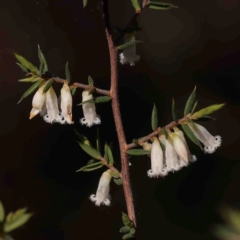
(94, 199)
(156, 174)
(193, 158)
(212, 148)
(84, 121)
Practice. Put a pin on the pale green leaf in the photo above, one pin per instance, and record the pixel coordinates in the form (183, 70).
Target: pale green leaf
(118, 181)
(2, 212)
(18, 213)
(174, 115)
(190, 102)
(137, 152)
(91, 167)
(124, 229)
(85, 3)
(108, 153)
(88, 101)
(160, 5)
(23, 68)
(30, 79)
(24, 62)
(102, 99)
(136, 5)
(73, 91)
(43, 63)
(114, 174)
(132, 230)
(126, 220)
(90, 151)
(154, 118)
(127, 236)
(194, 107)
(128, 44)
(90, 81)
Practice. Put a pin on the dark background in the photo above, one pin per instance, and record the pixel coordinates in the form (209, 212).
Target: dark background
(196, 44)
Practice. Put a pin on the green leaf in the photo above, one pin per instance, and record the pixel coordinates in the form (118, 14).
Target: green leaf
(165, 132)
(137, 152)
(118, 181)
(91, 167)
(136, 5)
(160, 6)
(127, 236)
(73, 91)
(114, 174)
(31, 79)
(191, 135)
(194, 107)
(225, 233)
(88, 101)
(43, 63)
(90, 81)
(232, 217)
(82, 138)
(204, 119)
(48, 85)
(174, 115)
(91, 161)
(90, 151)
(207, 110)
(124, 229)
(189, 103)
(2, 212)
(23, 68)
(102, 99)
(128, 44)
(154, 118)
(67, 73)
(109, 155)
(31, 90)
(85, 3)
(126, 220)
(132, 230)
(18, 213)
(9, 226)
(24, 62)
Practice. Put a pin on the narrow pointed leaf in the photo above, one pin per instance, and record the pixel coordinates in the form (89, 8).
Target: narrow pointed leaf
(90, 81)
(73, 91)
(43, 62)
(132, 230)
(9, 217)
(31, 90)
(91, 161)
(191, 135)
(128, 44)
(190, 102)
(18, 213)
(24, 62)
(165, 132)
(108, 152)
(91, 167)
(194, 107)
(137, 152)
(114, 174)
(23, 68)
(136, 5)
(85, 3)
(102, 99)
(174, 114)
(126, 220)
(8, 227)
(67, 73)
(160, 6)
(204, 119)
(124, 229)
(90, 151)
(2, 212)
(118, 181)
(88, 101)
(154, 118)
(98, 143)
(127, 236)
(207, 110)
(48, 85)
(31, 79)
(82, 138)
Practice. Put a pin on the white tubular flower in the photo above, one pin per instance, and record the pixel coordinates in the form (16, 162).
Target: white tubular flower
(102, 196)
(129, 54)
(180, 147)
(191, 158)
(210, 142)
(147, 146)
(157, 165)
(66, 104)
(52, 114)
(162, 139)
(38, 102)
(89, 111)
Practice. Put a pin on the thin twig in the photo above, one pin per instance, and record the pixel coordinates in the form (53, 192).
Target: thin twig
(104, 161)
(84, 86)
(117, 115)
(157, 132)
(132, 20)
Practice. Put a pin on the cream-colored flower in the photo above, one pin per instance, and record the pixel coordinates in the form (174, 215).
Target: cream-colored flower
(66, 104)
(129, 54)
(38, 102)
(210, 142)
(89, 111)
(147, 146)
(102, 195)
(157, 160)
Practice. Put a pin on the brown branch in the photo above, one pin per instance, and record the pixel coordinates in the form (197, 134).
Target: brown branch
(156, 132)
(84, 86)
(132, 20)
(117, 116)
(103, 160)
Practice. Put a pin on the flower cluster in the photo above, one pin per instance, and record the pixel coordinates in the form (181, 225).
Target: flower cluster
(174, 153)
(54, 110)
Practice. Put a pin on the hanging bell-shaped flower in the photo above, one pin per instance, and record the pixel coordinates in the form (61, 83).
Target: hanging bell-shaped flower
(66, 104)
(129, 54)
(102, 195)
(89, 110)
(38, 102)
